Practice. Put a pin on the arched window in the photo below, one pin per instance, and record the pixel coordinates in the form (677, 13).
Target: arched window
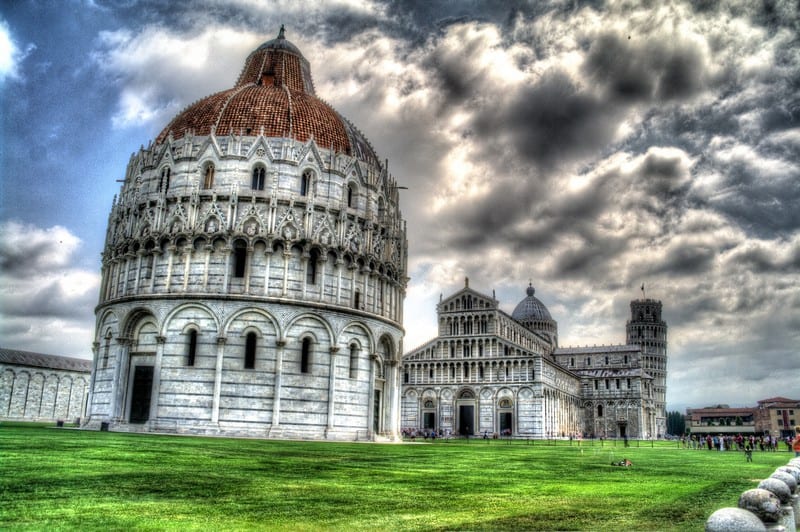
(259, 176)
(191, 347)
(599, 410)
(311, 267)
(405, 377)
(353, 361)
(208, 176)
(305, 356)
(163, 182)
(250, 351)
(357, 300)
(351, 195)
(239, 258)
(106, 349)
(305, 183)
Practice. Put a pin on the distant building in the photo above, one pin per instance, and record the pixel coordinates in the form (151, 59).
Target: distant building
(721, 419)
(490, 372)
(39, 387)
(777, 416)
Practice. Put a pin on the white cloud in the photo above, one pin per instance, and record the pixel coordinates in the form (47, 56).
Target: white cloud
(10, 54)
(159, 72)
(44, 299)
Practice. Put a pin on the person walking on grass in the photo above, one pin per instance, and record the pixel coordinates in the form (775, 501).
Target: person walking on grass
(796, 442)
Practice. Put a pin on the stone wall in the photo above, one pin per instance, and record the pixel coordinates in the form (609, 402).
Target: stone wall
(40, 394)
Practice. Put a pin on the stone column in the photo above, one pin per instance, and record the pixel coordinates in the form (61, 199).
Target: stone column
(139, 257)
(86, 416)
(332, 387)
(393, 411)
(218, 379)
(187, 251)
(287, 255)
(209, 248)
(160, 341)
(338, 269)
(268, 254)
(118, 388)
(373, 361)
(172, 249)
(156, 252)
(276, 401)
(225, 288)
(248, 268)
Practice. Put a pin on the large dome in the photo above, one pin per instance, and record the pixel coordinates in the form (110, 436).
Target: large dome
(273, 96)
(534, 316)
(531, 309)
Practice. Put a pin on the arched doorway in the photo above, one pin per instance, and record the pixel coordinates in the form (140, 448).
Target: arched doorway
(429, 414)
(505, 416)
(142, 371)
(466, 413)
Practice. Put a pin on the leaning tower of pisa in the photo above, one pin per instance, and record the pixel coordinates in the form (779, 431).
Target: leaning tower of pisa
(647, 329)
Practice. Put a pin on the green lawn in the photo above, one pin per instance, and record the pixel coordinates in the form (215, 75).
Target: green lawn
(70, 479)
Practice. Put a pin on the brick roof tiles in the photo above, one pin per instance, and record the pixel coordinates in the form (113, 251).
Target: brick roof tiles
(40, 360)
(275, 92)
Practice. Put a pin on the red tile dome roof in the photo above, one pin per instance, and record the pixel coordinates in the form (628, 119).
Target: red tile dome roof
(274, 95)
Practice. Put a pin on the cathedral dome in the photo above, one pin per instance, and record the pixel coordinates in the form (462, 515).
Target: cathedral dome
(534, 316)
(275, 97)
(531, 309)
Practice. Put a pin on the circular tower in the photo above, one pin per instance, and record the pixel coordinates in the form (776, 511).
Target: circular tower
(254, 271)
(647, 329)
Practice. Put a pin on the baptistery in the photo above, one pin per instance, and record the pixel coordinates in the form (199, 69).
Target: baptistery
(254, 271)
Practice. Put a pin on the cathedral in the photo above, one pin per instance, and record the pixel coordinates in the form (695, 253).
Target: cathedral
(254, 271)
(490, 373)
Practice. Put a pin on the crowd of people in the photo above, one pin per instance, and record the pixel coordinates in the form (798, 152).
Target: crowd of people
(738, 442)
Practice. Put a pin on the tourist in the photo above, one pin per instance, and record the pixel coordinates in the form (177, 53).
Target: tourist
(796, 442)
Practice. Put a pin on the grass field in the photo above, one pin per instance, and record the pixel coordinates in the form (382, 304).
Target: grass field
(69, 479)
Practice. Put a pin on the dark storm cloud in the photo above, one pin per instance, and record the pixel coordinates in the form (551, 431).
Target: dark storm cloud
(457, 76)
(549, 121)
(588, 259)
(638, 68)
(685, 259)
(50, 300)
(26, 251)
(759, 202)
(761, 258)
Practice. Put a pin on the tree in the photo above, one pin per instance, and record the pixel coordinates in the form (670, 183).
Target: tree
(676, 423)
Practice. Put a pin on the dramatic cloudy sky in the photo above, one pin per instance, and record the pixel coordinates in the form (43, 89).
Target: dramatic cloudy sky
(589, 147)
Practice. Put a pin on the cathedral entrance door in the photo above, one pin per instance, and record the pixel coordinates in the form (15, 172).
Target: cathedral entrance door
(142, 391)
(466, 419)
(429, 420)
(505, 423)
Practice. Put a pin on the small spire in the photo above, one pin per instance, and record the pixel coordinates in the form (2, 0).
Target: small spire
(466, 282)
(281, 33)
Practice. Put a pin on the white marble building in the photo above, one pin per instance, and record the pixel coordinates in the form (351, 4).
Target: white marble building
(39, 387)
(254, 271)
(488, 372)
